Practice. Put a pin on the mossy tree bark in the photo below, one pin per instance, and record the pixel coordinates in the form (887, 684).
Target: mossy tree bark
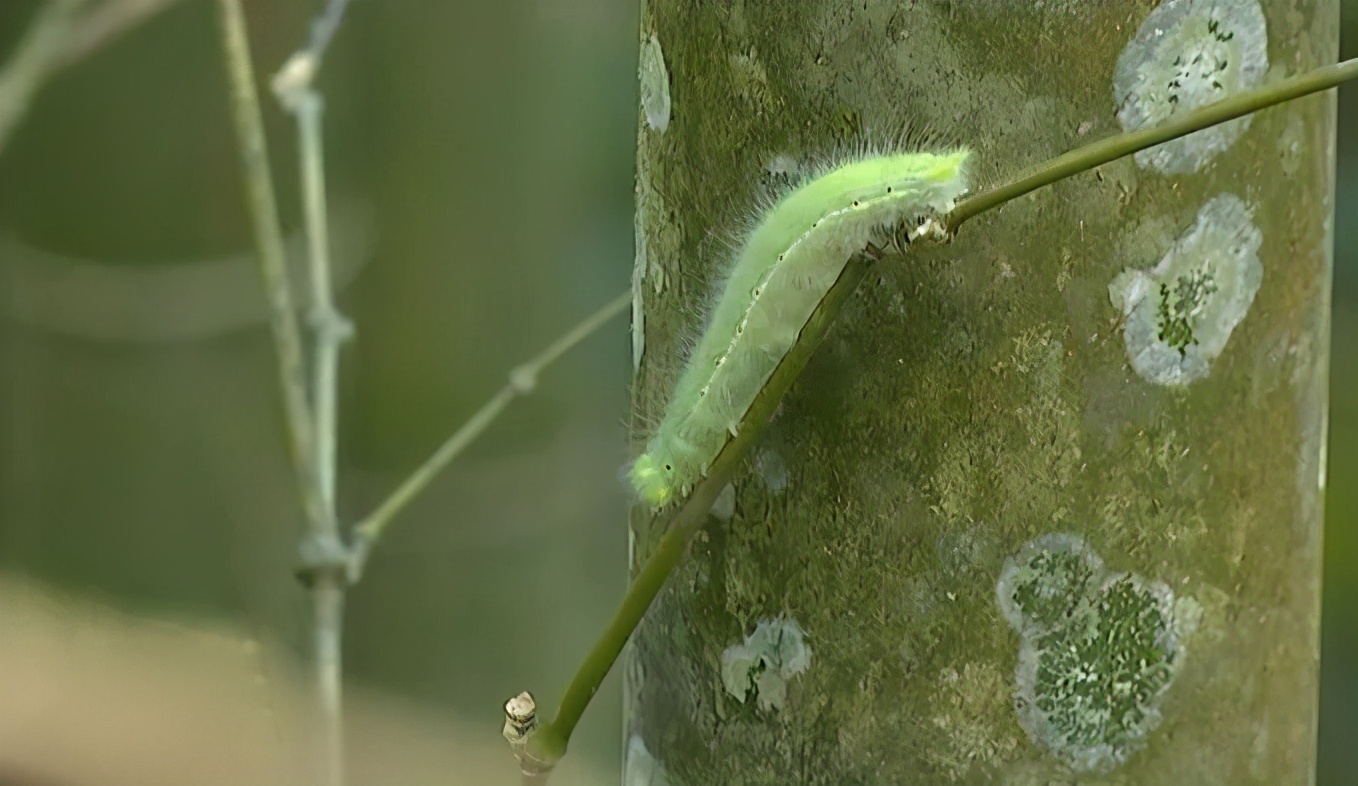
(1045, 506)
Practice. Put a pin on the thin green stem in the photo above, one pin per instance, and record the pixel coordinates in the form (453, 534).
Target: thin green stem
(328, 640)
(329, 327)
(332, 562)
(549, 741)
(521, 382)
(1106, 150)
(694, 512)
(269, 249)
(325, 320)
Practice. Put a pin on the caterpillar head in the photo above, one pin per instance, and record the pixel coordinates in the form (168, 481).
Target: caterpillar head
(652, 480)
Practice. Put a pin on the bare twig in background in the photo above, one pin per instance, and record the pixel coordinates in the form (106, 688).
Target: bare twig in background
(329, 329)
(35, 58)
(63, 33)
(324, 556)
(269, 246)
(328, 563)
(104, 23)
(295, 77)
(522, 379)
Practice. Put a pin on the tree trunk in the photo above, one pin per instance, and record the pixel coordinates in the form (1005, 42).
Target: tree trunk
(1046, 505)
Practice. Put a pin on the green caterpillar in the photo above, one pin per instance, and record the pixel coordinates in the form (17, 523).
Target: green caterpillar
(785, 266)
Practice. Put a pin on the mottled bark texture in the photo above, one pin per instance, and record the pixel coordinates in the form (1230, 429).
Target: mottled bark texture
(1045, 506)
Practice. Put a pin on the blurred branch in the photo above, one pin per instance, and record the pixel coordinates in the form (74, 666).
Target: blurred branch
(269, 247)
(325, 558)
(34, 60)
(329, 329)
(63, 33)
(522, 380)
(329, 565)
(295, 77)
(102, 25)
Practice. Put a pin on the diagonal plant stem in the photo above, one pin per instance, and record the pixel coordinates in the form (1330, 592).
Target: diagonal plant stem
(522, 380)
(294, 78)
(324, 27)
(1098, 153)
(104, 23)
(37, 55)
(539, 746)
(547, 745)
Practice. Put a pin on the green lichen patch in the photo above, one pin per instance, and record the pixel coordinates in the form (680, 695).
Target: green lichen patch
(1179, 315)
(1047, 582)
(1180, 303)
(1098, 651)
(1090, 690)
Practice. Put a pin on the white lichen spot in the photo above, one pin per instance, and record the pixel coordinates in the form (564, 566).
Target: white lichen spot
(1291, 144)
(1179, 315)
(1186, 54)
(764, 664)
(771, 470)
(1098, 651)
(783, 164)
(640, 265)
(724, 506)
(963, 551)
(657, 236)
(640, 767)
(655, 85)
(638, 319)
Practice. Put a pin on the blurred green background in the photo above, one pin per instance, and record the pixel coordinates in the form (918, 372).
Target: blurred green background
(491, 145)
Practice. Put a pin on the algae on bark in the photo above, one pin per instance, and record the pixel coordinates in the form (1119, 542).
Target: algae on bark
(979, 414)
